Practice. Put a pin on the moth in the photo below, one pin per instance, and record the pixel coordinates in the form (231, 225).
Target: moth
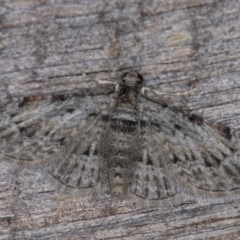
(125, 140)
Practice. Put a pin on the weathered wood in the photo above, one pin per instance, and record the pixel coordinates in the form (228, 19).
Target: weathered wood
(188, 50)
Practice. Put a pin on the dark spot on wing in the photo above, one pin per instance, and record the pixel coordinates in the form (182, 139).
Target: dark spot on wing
(140, 77)
(30, 131)
(79, 181)
(143, 123)
(87, 151)
(165, 183)
(105, 118)
(211, 160)
(23, 102)
(92, 114)
(149, 161)
(92, 170)
(147, 178)
(61, 141)
(155, 179)
(12, 114)
(175, 159)
(224, 155)
(186, 156)
(233, 150)
(157, 125)
(226, 132)
(178, 127)
(216, 160)
(76, 165)
(146, 192)
(195, 119)
(214, 175)
(95, 151)
(158, 194)
(164, 105)
(46, 133)
(70, 110)
(193, 157)
(83, 168)
(207, 162)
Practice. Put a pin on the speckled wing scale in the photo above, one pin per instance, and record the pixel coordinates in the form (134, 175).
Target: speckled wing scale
(126, 141)
(200, 158)
(61, 135)
(78, 165)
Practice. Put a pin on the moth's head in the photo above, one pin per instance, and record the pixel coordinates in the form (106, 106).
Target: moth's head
(132, 79)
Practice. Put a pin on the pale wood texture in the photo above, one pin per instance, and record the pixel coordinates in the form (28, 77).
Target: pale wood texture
(186, 49)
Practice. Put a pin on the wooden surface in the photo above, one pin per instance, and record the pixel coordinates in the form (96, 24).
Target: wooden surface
(188, 50)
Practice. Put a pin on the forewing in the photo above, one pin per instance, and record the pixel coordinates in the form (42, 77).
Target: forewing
(150, 178)
(200, 156)
(63, 134)
(78, 164)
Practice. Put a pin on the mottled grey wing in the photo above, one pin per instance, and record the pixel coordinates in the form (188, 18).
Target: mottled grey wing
(63, 135)
(150, 177)
(199, 156)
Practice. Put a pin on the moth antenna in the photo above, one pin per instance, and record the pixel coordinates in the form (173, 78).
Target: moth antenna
(169, 93)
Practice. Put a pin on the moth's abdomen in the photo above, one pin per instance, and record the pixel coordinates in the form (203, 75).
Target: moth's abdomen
(118, 175)
(123, 130)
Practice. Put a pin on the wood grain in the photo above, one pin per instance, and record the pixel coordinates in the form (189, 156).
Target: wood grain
(187, 50)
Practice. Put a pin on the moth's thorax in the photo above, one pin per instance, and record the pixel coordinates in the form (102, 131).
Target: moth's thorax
(129, 89)
(127, 98)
